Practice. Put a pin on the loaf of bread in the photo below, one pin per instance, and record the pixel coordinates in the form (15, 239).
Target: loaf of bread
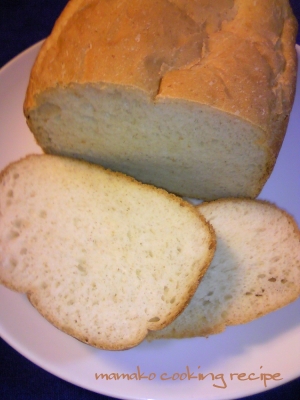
(255, 270)
(193, 96)
(102, 257)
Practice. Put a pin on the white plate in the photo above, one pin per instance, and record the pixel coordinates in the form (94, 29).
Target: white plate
(269, 345)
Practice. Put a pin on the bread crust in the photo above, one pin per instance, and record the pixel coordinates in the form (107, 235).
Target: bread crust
(234, 46)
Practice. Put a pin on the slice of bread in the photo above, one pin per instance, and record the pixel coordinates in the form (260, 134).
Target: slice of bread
(101, 256)
(191, 96)
(255, 270)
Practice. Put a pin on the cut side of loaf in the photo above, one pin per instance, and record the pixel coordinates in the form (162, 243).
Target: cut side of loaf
(190, 96)
(101, 256)
(255, 269)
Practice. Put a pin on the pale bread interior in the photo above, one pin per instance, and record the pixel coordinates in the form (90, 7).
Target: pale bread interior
(255, 269)
(101, 256)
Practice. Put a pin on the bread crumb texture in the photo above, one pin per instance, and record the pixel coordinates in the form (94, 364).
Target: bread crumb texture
(192, 96)
(255, 270)
(101, 256)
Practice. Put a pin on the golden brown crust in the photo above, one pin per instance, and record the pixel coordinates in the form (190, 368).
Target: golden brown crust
(216, 57)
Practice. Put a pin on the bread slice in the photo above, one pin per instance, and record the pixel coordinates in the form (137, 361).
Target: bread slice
(102, 257)
(190, 96)
(255, 270)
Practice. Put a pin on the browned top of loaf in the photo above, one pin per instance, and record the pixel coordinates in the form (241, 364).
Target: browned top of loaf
(230, 54)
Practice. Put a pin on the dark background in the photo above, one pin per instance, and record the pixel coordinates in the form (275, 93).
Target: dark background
(22, 24)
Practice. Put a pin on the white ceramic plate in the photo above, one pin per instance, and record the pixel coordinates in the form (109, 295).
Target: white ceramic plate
(269, 345)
